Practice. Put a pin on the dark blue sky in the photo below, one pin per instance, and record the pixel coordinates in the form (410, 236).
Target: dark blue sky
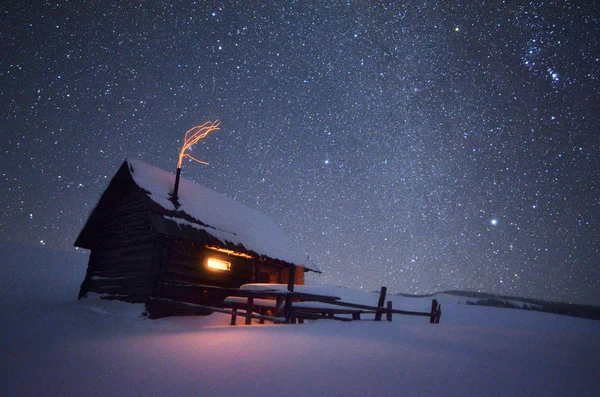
(423, 146)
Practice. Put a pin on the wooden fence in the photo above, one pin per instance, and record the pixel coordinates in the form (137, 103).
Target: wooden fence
(268, 305)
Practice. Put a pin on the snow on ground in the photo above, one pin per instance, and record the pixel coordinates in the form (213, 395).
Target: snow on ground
(53, 345)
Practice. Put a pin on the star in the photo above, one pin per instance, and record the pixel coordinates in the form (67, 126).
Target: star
(400, 133)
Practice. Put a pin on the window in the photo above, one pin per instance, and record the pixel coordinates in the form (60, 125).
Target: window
(218, 264)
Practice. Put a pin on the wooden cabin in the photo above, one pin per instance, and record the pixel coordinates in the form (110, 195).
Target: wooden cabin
(144, 245)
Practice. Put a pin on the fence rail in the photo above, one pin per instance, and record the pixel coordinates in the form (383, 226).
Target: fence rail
(312, 309)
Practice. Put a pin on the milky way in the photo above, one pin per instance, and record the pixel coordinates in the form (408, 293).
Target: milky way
(423, 146)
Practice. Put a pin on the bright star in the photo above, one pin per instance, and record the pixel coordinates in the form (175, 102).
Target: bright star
(494, 222)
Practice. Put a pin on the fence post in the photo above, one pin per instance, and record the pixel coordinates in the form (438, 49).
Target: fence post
(288, 299)
(278, 308)
(434, 306)
(249, 308)
(388, 315)
(438, 315)
(233, 315)
(380, 303)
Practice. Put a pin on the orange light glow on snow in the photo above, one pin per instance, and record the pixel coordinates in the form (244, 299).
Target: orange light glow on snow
(192, 136)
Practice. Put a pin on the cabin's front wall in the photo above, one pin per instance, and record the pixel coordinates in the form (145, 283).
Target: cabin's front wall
(188, 263)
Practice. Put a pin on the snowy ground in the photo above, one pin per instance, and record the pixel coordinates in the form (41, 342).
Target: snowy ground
(54, 345)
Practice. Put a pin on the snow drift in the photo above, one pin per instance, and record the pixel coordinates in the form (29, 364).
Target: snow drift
(54, 345)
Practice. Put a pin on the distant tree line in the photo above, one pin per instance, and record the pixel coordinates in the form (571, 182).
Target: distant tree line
(567, 309)
(517, 302)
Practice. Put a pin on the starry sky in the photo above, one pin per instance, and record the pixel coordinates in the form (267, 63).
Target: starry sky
(420, 145)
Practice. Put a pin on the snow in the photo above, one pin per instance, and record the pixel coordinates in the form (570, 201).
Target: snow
(265, 287)
(54, 345)
(256, 301)
(229, 220)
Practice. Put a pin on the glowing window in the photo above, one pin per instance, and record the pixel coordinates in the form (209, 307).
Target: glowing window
(218, 264)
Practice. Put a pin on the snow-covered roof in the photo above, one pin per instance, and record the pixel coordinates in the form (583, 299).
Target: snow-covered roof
(228, 221)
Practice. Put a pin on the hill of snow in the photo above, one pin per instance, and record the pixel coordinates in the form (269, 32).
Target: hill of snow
(54, 345)
(39, 274)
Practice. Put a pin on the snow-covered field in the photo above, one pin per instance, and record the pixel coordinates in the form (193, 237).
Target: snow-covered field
(53, 345)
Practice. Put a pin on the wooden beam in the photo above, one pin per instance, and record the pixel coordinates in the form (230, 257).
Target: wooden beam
(223, 290)
(290, 287)
(373, 308)
(253, 293)
(233, 316)
(315, 316)
(276, 320)
(314, 297)
(249, 308)
(380, 303)
(433, 314)
(278, 301)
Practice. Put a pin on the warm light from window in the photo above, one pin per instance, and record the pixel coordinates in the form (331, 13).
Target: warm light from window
(218, 264)
(229, 252)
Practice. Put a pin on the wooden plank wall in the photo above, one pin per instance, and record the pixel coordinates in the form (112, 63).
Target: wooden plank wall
(121, 260)
(129, 261)
(188, 265)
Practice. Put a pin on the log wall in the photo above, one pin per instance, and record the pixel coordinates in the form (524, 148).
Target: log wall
(188, 265)
(130, 261)
(120, 262)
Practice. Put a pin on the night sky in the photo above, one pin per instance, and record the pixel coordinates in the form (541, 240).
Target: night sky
(423, 146)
